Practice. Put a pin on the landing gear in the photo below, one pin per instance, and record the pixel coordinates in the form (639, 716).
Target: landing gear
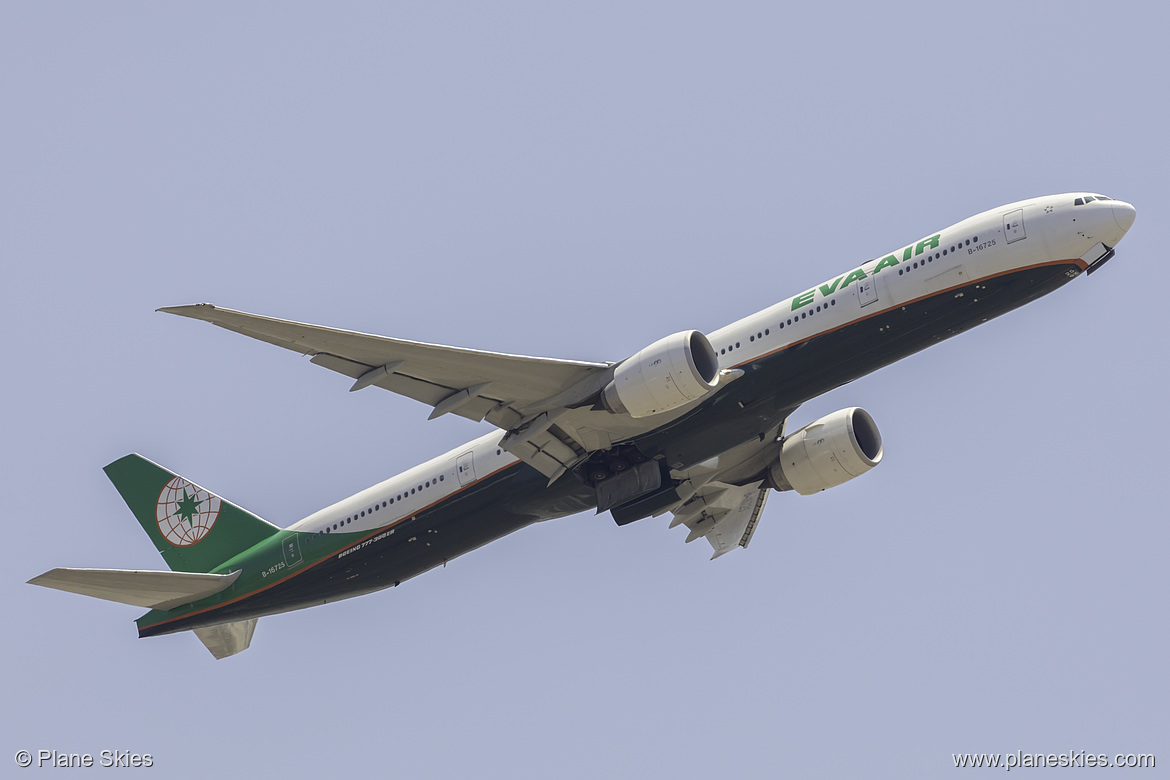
(619, 475)
(607, 464)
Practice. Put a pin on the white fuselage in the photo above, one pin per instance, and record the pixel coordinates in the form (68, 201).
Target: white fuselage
(1046, 230)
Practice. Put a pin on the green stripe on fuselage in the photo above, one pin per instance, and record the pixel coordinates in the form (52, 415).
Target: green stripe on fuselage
(281, 556)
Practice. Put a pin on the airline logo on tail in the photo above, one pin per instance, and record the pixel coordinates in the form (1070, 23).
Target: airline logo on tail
(185, 512)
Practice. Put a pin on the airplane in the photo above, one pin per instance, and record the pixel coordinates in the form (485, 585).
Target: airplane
(694, 426)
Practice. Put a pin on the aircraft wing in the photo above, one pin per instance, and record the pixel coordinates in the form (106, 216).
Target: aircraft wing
(526, 396)
(726, 514)
(467, 382)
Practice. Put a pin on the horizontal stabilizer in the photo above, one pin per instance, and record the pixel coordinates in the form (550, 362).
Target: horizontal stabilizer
(153, 589)
(227, 638)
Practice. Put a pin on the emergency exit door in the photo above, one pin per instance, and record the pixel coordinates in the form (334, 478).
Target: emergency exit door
(465, 467)
(867, 291)
(1013, 225)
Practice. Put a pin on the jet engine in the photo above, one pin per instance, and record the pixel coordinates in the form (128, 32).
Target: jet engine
(828, 452)
(667, 374)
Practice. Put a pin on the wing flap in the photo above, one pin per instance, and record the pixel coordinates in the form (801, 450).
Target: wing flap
(152, 589)
(725, 514)
(736, 529)
(426, 391)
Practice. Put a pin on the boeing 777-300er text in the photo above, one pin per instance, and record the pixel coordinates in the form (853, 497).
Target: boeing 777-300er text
(693, 426)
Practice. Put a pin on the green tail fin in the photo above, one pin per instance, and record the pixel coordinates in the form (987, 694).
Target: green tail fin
(193, 529)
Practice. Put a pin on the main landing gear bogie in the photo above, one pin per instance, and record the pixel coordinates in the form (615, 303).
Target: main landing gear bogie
(608, 463)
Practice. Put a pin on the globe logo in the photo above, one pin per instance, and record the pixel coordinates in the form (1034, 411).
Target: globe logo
(185, 512)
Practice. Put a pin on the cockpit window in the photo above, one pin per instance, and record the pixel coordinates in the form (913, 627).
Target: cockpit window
(1089, 199)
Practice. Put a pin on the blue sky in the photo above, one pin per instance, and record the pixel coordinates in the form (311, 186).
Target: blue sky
(578, 182)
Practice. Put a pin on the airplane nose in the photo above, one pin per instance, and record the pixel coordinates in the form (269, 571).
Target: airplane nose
(1123, 215)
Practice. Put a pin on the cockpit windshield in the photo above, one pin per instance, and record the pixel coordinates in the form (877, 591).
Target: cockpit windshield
(1089, 199)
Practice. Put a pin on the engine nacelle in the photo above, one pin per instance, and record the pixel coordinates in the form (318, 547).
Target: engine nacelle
(667, 374)
(828, 452)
